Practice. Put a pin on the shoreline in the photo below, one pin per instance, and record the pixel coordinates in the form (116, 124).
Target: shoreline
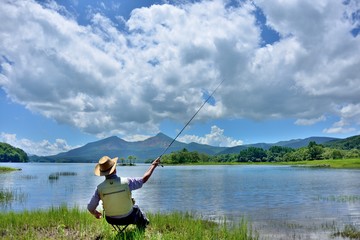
(353, 163)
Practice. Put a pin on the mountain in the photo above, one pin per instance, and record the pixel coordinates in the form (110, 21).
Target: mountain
(155, 146)
(345, 144)
(117, 147)
(298, 143)
(294, 143)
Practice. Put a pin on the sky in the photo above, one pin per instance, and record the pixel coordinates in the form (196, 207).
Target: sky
(77, 71)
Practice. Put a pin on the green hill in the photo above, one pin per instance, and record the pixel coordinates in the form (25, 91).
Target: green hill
(9, 153)
(345, 144)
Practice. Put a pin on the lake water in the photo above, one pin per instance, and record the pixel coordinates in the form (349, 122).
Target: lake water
(281, 202)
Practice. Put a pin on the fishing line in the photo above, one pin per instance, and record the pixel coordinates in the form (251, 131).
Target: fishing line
(191, 119)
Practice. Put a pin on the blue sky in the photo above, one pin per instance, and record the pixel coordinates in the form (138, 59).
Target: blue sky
(73, 72)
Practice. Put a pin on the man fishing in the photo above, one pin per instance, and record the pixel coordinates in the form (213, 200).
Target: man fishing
(115, 193)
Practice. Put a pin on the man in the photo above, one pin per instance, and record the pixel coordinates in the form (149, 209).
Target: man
(115, 193)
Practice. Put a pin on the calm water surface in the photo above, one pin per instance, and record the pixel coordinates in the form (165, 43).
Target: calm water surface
(281, 201)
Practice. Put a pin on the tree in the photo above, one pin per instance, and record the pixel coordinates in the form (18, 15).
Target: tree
(131, 160)
(9, 153)
(315, 151)
(252, 154)
(276, 153)
(300, 154)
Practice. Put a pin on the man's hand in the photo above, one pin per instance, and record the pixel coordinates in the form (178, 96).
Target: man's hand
(97, 214)
(156, 162)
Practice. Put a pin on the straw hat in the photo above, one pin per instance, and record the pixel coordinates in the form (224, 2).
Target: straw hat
(106, 166)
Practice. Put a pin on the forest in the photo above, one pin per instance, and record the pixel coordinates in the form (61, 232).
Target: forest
(9, 153)
(313, 151)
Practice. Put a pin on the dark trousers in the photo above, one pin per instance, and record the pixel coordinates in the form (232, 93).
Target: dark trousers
(135, 217)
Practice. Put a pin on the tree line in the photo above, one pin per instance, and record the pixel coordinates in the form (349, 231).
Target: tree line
(9, 153)
(313, 151)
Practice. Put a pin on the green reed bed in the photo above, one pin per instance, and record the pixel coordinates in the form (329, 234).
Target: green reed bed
(7, 196)
(65, 223)
(340, 198)
(8, 169)
(55, 176)
(349, 232)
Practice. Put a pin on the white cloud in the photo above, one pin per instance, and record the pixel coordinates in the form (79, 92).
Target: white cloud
(215, 138)
(107, 81)
(338, 130)
(136, 138)
(307, 122)
(42, 148)
(349, 113)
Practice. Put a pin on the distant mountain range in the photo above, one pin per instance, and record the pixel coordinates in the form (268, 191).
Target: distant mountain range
(155, 146)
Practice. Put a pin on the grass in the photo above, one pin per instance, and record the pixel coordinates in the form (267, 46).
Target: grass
(65, 223)
(353, 163)
(8, 169)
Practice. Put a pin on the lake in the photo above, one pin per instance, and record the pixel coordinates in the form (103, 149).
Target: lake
(279, 201)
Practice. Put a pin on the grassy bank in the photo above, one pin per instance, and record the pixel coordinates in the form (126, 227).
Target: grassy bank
(338, 163)
(64, 223)
(353, 163)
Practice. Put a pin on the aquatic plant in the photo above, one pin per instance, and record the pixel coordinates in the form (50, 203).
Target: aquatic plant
(7, 196)
(350, 231)
(341, 198)
(28, 177)
(55, 176)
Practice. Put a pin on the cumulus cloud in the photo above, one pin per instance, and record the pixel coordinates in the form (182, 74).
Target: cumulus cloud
(105, 80)
(306, 122)
(215, 138)
(41, 148)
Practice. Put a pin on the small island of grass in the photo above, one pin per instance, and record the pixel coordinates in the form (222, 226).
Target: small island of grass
(8, 169)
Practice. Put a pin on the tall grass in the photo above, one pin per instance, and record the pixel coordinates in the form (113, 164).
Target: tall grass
(65, 223)
(186, 226)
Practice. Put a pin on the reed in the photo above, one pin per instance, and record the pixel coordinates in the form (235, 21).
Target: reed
(55, 176)
(349, 231)
(7, 196)
(340, 198)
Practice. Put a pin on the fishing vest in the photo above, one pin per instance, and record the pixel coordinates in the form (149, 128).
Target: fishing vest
(116, 196)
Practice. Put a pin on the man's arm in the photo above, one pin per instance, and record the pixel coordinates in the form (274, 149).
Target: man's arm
(93, 204)
(151, 169)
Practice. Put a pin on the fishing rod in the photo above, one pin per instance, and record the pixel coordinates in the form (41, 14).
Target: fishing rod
(191, 119)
